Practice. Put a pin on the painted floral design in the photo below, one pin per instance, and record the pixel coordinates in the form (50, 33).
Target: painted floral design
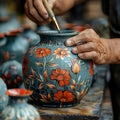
(63, 76)
(75, 66)
(42, 52)
(11, 80)
(61, 53)
(64, 96)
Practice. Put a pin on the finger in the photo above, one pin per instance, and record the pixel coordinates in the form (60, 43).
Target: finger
(41, 10)
(78, 39)
(29, 16)
(87, 47)
(34, 12)
(92, 55)
(74, 41)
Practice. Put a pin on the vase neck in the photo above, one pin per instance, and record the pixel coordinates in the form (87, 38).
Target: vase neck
(19, 100)
(11, 39)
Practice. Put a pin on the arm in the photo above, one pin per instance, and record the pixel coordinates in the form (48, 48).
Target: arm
(88, 45)
(36, 11)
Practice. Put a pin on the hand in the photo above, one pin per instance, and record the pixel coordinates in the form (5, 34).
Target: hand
(36, 11)
(89, 46)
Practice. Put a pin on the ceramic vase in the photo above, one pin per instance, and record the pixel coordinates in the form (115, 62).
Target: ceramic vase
(11, 58)
(7, 22)
(3, 96)
(18, 108)
(31, 36)
(57, 77)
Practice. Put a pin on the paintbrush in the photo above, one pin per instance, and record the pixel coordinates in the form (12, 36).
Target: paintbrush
(51, 14)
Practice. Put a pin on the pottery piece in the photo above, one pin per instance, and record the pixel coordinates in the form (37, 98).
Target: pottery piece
(31, 36)
(11, 73)
(3, 96)
(57, 77)
(7, 22)
(18, 108)
(11, 57)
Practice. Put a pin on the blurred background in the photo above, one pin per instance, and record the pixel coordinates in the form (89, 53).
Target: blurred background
(89, 13)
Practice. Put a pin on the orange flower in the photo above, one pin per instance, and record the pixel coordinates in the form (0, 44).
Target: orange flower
(64, 96)
(63, 76)
(61, 53)
(42, 52)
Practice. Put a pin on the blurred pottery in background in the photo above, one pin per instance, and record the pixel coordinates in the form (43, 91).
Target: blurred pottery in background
(7, 22)
(42, 27)
(3, 96)
(18, 108)
(77, 28)
(57, 77)
(11, 73)
(11, 57)
(31, 36)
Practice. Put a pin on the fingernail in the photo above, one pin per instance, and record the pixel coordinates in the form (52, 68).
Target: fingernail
(68, 42)
(80, 55)
(46, 16)
(74, 50)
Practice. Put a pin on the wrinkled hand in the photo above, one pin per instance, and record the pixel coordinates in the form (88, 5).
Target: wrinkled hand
(89, 46)
(36, 11)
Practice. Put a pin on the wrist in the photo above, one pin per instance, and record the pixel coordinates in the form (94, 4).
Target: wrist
(113, 50)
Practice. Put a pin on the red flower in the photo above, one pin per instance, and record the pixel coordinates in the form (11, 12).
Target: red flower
(42, 52)
(63, 76)
(64, 96)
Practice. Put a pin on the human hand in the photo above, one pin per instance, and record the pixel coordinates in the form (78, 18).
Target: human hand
(36, 11)
(89, 46)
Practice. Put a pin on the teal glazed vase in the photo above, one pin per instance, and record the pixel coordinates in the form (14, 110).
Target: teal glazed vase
(57, 77)
(3, 97)
(18, 108)
(31, 36)
(12, 49)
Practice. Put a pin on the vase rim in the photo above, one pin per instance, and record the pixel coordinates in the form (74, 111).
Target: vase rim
(14, 32)
(56, 33)
(2, 35)
(18, 92)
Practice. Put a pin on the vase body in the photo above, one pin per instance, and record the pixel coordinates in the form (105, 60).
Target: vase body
(57, 77)
(11, 57)
(18, 108)
(3, 96)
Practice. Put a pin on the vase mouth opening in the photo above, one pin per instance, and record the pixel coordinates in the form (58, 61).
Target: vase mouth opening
(57, 33)
(16, 92)
(14, 32)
